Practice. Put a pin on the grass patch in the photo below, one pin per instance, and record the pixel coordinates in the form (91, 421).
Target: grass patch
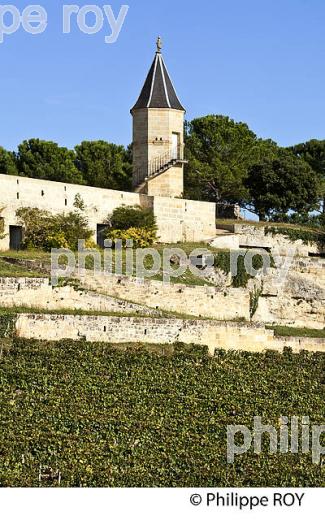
(28, 255)
(13, 311)
(154, 417)
(15, 271)
(292, 231)
(268, 224)
(280, 330)
(188, 278)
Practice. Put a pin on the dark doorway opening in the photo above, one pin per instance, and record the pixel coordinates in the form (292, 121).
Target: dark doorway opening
(16, 237)
(101, 229)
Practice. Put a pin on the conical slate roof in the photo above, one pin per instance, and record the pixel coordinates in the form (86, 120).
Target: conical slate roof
(158, 90)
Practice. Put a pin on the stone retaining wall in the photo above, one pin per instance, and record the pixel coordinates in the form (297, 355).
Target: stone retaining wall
(250, 236)
(199, 301)
(37, 293)
(213, 334)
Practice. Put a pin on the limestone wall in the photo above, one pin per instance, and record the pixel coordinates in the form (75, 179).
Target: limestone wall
(250, 236)
(182, 220)
(177, 219)
(18, 192)
(157, 331)
(37, 293)
(167, 184)
(299, 302)
(199, 301)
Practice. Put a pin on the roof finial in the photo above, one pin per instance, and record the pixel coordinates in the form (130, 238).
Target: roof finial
(159, 44)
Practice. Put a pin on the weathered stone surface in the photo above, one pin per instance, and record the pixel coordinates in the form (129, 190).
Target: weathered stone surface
(37, 293)
(178, 220)
(201, 301)
(213, 334)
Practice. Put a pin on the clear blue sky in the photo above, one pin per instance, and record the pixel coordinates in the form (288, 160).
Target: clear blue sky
(258, 61)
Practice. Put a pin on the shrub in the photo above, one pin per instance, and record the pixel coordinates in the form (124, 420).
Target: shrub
(127, 217)
(74, 227)
(56, 241)
(141, 237)
(37, 227)
(133, 223)
(42, 230)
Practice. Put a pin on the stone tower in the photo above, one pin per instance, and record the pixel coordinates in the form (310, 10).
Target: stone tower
(158, 135)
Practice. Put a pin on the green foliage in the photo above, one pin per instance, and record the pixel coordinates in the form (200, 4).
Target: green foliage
(223, 262)
(128, 417)
(46, 160)
(104, 165)
(254, 297)
(126, 217)
(45, 231)
(74, 227)
(297, 234)
(141, 237)
(281, 183)
(56, 240)
(79, 202)
(15, 271)
(133, 223)
(7, 163)
(313, 152)
(95, 163)
(219, 151)
(7, 323)
(280, 330)
(228, 163)
(316, 221)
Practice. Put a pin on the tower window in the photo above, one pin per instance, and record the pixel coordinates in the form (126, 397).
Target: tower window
(17, 196)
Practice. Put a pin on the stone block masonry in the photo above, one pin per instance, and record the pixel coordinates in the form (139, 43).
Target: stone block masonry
(178, 220)
(300, 303)
(213, 334)
(37, 293)
(248, 236)
(198, 301)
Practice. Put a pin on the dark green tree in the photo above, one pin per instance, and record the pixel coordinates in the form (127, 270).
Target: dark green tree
(47, 160)
(282, 183)
(7, 162)
(220, 152)
(313, 152)
(104, 165)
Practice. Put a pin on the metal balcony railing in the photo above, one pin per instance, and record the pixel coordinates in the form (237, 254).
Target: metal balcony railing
(159, 164)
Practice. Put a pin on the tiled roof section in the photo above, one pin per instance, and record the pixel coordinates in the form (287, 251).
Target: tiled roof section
(158, 90)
